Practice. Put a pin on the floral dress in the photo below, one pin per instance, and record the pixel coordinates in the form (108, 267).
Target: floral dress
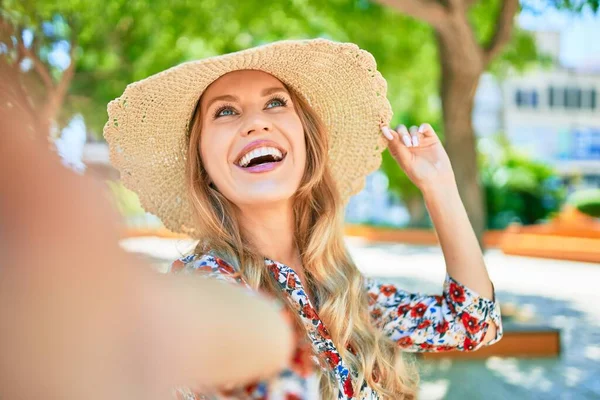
(456, 320)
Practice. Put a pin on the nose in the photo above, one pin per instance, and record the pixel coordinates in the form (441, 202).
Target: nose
(256, 124)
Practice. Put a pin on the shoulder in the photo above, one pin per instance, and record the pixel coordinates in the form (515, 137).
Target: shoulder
(207, 264)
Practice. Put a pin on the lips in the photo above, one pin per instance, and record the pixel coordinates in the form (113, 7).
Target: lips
(257, 144)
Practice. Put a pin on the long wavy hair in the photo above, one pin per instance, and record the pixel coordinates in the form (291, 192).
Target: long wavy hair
(330, 272)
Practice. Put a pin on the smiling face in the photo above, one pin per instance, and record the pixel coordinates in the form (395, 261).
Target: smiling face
(252, 141)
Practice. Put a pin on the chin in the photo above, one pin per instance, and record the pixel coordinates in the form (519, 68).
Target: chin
(262, 198)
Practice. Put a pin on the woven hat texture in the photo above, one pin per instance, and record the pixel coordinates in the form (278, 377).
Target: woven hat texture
(147, 125)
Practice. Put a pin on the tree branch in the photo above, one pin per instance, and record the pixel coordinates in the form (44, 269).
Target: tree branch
(504, 27)
(39, 66)
(428, 11)
(456, 5)
(56, 97)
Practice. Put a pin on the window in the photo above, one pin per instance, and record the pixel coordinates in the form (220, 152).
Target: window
(588, 99)
(526, 98)
(519, 98)
(556, 97)
(573, 97)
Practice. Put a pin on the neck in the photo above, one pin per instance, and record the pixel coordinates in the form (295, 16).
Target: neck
(271, 231)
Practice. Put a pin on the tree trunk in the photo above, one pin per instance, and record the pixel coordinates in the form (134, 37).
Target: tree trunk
(416, 210)
(463, 60)
(461, 67)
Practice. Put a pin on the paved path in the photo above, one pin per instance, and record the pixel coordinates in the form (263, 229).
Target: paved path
(562, 294)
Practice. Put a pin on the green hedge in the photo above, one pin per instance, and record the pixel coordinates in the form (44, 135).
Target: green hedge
(587, 201)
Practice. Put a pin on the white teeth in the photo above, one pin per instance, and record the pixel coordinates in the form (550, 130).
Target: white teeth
(262, 151)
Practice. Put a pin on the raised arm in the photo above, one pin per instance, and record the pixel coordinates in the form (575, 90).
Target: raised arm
(422, 156)
(462, 254)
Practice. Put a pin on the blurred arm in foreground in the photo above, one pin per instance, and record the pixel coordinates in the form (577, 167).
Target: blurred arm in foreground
(81, 318)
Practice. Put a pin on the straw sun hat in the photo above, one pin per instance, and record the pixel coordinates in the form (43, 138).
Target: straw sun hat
(147, 125)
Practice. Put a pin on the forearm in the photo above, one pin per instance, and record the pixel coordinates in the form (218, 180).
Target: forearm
(213, 334)
(463, 256)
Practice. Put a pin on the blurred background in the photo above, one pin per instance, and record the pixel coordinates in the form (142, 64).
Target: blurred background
(512, 88)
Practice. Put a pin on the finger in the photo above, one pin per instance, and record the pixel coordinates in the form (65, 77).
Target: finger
(414, 133)
(387, 132)
(398, 149)
(403, 133)
(426, 130)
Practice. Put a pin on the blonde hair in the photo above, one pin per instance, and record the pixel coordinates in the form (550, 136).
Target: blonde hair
(330, 272)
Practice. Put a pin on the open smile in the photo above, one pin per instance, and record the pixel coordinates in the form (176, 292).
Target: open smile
(260, 156)
(262, 164)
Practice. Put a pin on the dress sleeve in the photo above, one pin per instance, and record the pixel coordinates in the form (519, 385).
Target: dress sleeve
(457, 320)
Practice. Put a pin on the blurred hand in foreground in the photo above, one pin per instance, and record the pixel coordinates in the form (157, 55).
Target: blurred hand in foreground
(81, 318)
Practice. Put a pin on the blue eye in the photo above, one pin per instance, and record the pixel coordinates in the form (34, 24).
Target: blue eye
(224, 111)
(278, 101)
(275, 102)
(227, 111)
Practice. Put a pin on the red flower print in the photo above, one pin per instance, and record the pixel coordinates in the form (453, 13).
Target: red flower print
(469, 344)
(424, 324)
(403, 309)
(405, 341)
(452, 308)
(426, 346)
(376, 313)
(291, 396)
(224, 267)
(205, 268)
(177, 266)
(438, 300)
(251, 388)
(418, 311)
(309, 312)
(331, 357)
(442, 327)
(444, 348)
(348, 389)
(323, 331)
(302, 362)
(387, 290)
(291, 282)
(274, 270)
(471, 323)
(372, 298)
(457, 293)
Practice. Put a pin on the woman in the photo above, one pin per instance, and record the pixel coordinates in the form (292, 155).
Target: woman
(255, 154)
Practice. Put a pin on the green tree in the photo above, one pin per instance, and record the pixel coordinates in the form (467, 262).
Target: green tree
(470, 35)
(120, 41)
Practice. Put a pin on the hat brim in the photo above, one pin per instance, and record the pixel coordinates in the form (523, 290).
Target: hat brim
(147, 125)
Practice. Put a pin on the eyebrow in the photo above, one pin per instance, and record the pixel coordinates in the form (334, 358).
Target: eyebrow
(229, 97)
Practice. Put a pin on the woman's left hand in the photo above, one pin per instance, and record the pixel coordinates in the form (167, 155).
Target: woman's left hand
(421, 155)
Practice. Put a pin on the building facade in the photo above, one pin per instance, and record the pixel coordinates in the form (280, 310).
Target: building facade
(551, 114)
